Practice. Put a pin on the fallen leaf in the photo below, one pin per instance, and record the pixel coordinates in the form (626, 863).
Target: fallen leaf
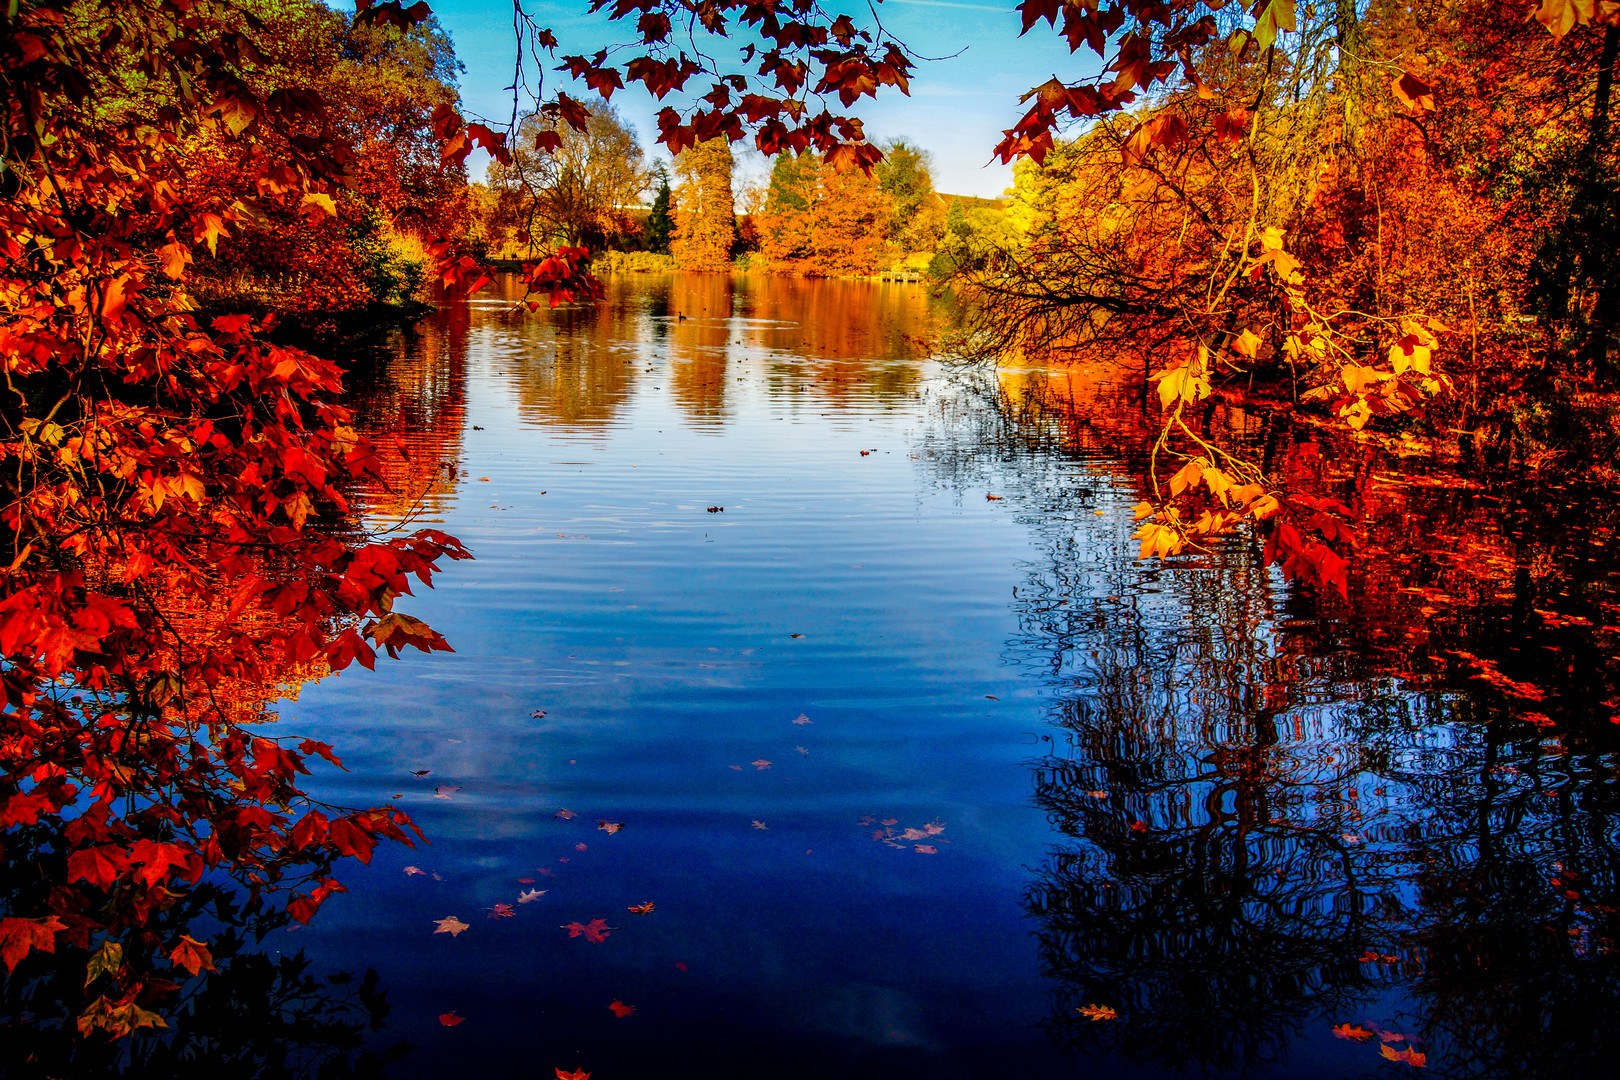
(419, 772)
(579, 847)
(565, 814)
(802, 750)
(444, 791)
(595, 930)
(450, 1019)
(992, 697)
(992, 498)
(449, 925)
(716, 509)
(530, 895)
(409, 870)
(1139, 826)
(735, 768)
(538, 714)
(610, 827)
(621, 1010)
(502, 911)
(760, 824)
(864, 453)
(525, 881)
(761, 764)
(802, 719)
(680, 966)
(795, 635)
(577, 1074)
(928, 849)
(1098, 794)
(641, 909)
(1097, 1012)
(1353, 1032)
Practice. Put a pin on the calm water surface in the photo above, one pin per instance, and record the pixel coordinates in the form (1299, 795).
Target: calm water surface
(912, 758)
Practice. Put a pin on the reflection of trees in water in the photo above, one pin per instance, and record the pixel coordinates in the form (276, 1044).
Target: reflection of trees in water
(1519, 918)
(577, 366)
(413, 404)
(1209, 893)
(700, 343)
(261, 1016)
(1286, 836)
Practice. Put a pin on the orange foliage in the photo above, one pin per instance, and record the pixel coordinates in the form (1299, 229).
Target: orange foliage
(705, 218)
(823, 220)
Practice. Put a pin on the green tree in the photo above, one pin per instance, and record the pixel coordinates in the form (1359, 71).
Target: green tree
(904, 174)
(660, 222)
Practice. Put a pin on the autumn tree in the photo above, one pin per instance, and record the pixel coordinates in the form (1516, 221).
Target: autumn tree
(569, 187)
(174, 509)
(822, 220)
(705, 216)
(1259, 204)
(383, 83)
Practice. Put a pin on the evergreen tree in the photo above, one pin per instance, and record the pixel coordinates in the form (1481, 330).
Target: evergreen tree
(660, 222)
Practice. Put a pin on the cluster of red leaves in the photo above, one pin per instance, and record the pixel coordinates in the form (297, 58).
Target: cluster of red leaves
(175, 531)
(797, 53)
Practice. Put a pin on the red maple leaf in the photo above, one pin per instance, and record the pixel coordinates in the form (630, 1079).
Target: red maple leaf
(192, 955)
(621, 1010)
(18, 936)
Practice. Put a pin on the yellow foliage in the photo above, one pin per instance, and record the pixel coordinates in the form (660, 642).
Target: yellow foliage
(705, 217)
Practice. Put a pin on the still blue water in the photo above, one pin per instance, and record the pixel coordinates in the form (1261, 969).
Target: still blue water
(912, 758)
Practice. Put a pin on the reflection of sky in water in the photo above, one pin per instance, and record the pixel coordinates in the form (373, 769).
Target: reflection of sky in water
(657, 638)
(983, 664)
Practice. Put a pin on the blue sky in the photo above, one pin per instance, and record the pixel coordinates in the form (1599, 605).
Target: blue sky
(957, 109)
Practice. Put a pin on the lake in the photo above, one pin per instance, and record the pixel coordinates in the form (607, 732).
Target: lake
(847, 675)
